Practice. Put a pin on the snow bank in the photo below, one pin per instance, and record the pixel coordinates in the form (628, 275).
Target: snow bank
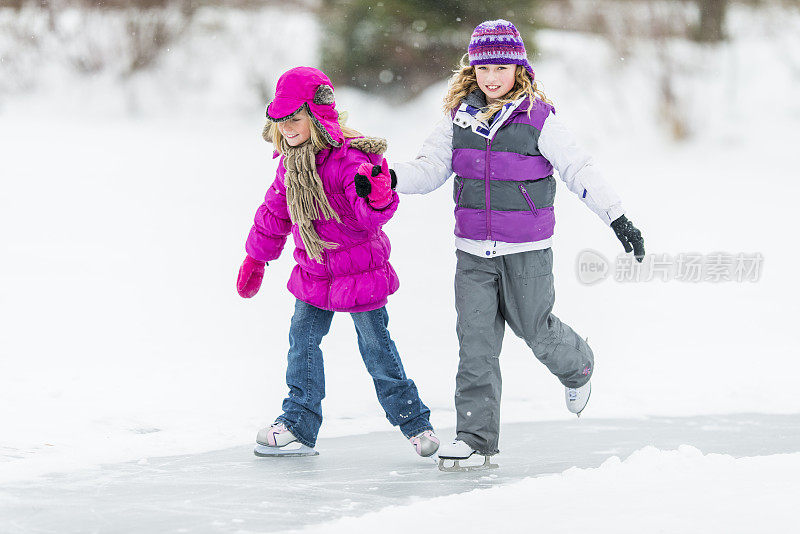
(651, 491)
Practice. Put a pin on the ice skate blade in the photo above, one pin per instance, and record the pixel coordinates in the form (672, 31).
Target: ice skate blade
(294, 448)
(457, 468)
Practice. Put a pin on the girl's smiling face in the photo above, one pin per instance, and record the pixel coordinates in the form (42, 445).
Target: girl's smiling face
(495, 80)
(296, 130)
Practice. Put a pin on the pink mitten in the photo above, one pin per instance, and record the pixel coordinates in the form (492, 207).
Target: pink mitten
(374, 183)
(250, 275)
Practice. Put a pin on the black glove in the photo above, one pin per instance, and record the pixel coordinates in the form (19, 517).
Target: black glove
(630, 236)
(363, 185)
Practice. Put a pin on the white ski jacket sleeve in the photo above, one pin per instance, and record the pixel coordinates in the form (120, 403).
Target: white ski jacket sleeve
(432, 167)
(577, 170)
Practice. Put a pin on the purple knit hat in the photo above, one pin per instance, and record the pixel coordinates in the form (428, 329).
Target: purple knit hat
(497, 42)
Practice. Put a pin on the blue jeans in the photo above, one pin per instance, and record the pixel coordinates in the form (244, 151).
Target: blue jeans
(302, 409)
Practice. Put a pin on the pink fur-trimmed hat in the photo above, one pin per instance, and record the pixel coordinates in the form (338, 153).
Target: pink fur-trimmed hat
(310, 89)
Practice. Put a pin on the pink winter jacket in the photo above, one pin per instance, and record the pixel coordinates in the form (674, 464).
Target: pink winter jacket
(356, 275)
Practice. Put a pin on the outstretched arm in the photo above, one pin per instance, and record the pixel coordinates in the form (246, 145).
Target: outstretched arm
(432, 167)
(375, 207)
(576, 168)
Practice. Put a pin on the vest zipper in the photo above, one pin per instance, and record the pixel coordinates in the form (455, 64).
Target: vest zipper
(524, 192)
(488, 192)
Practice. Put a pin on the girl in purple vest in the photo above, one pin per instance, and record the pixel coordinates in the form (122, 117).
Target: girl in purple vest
(332, 193)
(501, 141)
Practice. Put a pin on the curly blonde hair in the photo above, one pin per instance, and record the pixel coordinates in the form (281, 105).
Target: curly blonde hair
(464, 81)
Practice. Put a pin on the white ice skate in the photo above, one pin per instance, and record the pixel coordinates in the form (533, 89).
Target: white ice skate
(458, 451)
(425, 443)
(577, 398)
(276, 440)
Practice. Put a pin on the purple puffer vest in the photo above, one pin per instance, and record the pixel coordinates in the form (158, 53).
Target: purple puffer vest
(504, 188)
(356, 275)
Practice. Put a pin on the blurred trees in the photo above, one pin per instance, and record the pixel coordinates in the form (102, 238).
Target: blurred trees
(707, 22)
(627, 24)
(399, 47)
(712, 20)
(148, 4)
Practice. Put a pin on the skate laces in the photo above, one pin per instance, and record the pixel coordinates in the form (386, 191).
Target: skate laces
(424, 434)
(274, 431)
(278, 428)
(425, 443)
(573, 394)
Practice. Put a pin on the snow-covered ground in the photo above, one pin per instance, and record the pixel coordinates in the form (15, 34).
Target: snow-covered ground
(123, 337)
(650, 491)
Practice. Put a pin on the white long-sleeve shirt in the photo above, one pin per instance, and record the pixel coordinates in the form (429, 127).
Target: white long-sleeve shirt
(433, 167)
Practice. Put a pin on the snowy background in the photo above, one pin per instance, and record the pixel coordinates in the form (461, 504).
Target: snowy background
(124, 206)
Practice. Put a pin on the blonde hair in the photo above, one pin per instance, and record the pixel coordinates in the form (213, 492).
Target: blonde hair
(273, 134)
(464, 81)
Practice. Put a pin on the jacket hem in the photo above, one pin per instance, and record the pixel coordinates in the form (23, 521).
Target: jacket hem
(349, 309)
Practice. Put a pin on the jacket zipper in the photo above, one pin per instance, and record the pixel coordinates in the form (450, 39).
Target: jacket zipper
(458, 193)
(330, 277)
(488, 192)
(524, 192)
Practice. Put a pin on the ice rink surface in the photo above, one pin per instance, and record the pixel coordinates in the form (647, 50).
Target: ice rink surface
(231, 490)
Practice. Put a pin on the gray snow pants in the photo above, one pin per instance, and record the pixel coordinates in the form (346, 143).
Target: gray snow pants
(517, 289)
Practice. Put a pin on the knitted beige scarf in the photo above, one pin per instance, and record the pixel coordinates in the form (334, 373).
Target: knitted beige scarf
(305, 196)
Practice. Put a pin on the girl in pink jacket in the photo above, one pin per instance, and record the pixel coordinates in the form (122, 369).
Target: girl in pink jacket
(333, 193)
